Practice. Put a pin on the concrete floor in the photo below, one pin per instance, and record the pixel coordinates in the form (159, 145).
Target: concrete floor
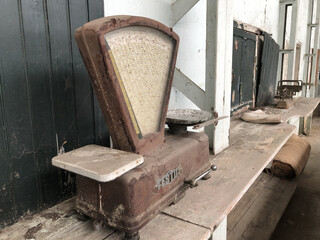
(301, 219)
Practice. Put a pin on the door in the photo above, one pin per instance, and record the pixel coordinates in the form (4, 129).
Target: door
(243, 68)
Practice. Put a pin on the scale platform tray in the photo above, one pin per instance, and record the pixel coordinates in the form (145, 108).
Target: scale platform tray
(98, 163)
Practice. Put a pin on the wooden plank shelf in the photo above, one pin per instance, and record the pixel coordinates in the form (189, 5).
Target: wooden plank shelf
(199, 213)
(264, 202)
(253, 146)
(302, 107)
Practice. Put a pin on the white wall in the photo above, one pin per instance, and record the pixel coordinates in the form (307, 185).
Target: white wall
(192, 52)
(302, 31)
(159, 10)
(263, 14)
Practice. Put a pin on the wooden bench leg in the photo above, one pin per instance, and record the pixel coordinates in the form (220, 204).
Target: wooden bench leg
(301, 125)
(221, 231)
(307, 125)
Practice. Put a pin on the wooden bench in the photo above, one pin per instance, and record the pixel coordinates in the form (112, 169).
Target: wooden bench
(203, 212)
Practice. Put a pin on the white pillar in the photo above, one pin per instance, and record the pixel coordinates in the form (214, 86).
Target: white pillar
(219, 37)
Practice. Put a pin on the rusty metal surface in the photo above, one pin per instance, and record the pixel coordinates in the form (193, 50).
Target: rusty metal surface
(288, 88)
(187, 116)
(92, 45)
(131, 201)
(179, 119)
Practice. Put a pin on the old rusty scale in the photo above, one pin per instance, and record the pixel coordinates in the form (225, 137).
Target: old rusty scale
(131, 62)
(286, 90)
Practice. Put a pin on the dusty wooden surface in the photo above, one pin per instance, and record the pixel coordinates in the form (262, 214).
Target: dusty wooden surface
(203, 207)
(302, 107)
(260, 209)
(58, 222)
(252, 147)
(62, 222)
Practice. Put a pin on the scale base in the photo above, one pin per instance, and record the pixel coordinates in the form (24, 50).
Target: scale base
(285, 103)
(132, 200)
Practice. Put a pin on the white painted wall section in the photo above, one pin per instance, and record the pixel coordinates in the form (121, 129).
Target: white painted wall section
(263, 14)
(192, 32)
(205, 56)
(159, 10)
(302, 32)
(191, 56)
(219, 68)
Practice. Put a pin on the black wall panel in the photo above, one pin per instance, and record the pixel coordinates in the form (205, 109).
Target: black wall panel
(268, 75)
(17, 110)
(243, 68)
(45, 94)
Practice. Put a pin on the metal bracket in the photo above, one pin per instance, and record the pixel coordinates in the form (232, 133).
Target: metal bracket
(207, 123)
(193, 182)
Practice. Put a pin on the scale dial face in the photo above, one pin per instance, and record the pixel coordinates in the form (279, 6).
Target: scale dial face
(142, 58)
(131, 62)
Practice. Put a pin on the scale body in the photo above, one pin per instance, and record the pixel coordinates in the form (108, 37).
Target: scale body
(132, 200)
(131, 61)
